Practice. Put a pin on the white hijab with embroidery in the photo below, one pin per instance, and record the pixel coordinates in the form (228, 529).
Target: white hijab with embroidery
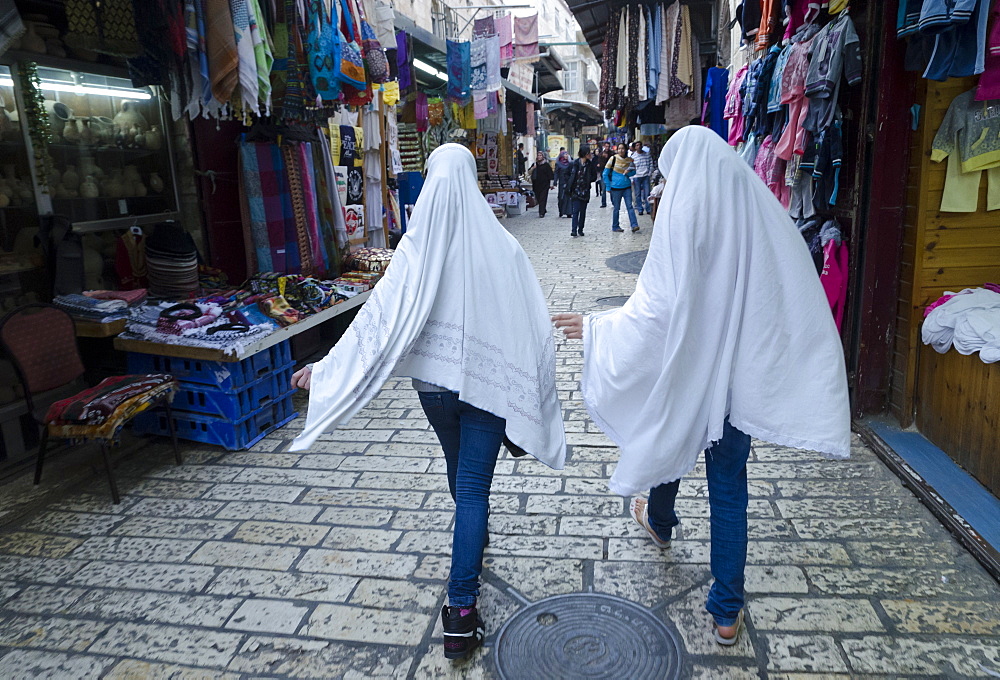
(728, 319)
(460, 307)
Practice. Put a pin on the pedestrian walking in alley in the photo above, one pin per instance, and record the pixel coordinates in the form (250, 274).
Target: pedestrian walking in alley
(641, 181)
(601, 158)
(562, 176)
(541, 181)
(461, 312)
(581, 176)
(617, 177)
(519, 160)
(728, 336)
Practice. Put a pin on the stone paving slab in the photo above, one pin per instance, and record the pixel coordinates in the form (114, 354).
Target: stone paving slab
(333, 563)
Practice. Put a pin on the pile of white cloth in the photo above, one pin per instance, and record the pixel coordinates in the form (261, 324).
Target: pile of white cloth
(969, 322)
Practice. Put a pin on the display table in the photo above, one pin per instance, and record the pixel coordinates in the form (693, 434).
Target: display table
(95, 329)
(229, 399)
(210, 354)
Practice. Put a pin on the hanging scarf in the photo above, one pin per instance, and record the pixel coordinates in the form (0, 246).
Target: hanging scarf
(493, 79)
(253, 192)
(262, 53)
(246, 60)
(223, 60)
(621, 61)
(477, 58)
(423, 320)
(526, 37)
(484, 28)
(199, 79)
(757, 344)
(459, 71)
(505, 31)
(403, 62)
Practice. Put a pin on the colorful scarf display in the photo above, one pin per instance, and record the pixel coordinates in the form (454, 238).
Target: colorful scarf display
(459, 71)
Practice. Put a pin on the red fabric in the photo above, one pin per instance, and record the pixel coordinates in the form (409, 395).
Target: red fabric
(95, 405)
(834, 278)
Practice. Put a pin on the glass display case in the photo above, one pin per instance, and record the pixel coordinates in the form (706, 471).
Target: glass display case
(110, 152)
(22, 273)
(110, 169)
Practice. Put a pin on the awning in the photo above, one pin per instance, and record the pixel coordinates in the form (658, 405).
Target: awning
(511, 87)
(594, 15)
(577, 112)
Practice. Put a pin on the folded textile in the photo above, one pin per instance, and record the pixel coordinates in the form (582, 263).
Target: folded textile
(95, 405)
(969, 321)
(90, 309)
(130, 297)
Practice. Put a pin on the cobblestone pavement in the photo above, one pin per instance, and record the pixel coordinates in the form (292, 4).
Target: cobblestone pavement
(332, 564)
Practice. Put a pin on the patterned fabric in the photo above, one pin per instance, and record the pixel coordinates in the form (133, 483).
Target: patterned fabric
(106, 26)
(477, 59)
(301, 221)
(632, 91)
(526, 36)
(263, 57)
(308, 178)
(123, 412)
(608, 98)
(199, 79)
(677, 86)
(352, 63)
(246, 69)
(253, 194)
(484, 28)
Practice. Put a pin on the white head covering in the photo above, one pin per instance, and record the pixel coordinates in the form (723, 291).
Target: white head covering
(460, 307)
(728, 318)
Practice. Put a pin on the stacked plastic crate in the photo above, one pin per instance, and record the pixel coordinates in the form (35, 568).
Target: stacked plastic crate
(232, 405)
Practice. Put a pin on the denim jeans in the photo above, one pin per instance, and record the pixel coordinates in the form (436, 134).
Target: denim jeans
(579, 214)
(471, 440)
(641, 186)
(616, 200)
(726, 469)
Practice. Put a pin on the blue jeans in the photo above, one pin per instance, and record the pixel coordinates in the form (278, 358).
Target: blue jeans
(726, 469)
(471, 440)
(641, 187)
(616, 200)
(579, 214)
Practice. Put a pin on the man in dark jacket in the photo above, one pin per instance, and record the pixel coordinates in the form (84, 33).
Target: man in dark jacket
(581, 175)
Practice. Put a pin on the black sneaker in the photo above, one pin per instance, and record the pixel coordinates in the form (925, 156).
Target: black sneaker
(462, 634)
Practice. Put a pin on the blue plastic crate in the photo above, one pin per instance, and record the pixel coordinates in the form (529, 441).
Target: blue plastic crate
(220, 374)
(234, 436)
(234, 405)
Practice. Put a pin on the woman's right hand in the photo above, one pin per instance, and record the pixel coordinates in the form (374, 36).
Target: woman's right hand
(302, 378)
(570, 324)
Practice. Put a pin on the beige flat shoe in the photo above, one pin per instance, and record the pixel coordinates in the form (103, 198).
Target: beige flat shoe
(738, 628)
(639, 509)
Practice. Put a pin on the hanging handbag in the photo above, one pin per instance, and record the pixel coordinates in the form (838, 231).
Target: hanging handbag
(374, 55)
(352, 63)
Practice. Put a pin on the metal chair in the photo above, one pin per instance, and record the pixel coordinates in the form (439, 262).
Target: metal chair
(40, 341)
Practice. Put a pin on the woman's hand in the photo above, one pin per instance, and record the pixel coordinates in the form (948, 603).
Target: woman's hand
(570, 324)
(302, 378)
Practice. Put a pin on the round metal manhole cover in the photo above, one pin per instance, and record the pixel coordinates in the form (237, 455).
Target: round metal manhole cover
(629, 263)
(587, 635)
(614, 301)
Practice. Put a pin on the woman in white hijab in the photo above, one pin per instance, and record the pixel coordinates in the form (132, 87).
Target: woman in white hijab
(460, 311)
(728, 336)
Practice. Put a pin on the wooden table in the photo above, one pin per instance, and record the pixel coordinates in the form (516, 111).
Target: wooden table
(212, 354)
(96, 329)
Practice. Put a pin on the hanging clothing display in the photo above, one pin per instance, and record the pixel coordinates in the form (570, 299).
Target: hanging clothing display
(969, 138)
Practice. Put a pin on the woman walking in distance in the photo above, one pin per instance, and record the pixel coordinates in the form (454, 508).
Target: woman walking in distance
(728, 336)
(541, 181)
(461, 312)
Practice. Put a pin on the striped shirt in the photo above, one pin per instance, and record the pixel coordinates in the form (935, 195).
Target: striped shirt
(643, 163)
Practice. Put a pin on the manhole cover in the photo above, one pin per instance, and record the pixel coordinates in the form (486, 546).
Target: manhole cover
(629, 263)
(615, 301)
(586, 635)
